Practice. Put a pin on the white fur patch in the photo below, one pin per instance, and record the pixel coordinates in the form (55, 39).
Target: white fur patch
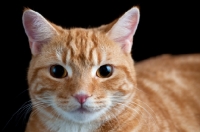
(94, 70)
(69, 70)
(58, 125)
(94, 57)
(59, 55)
(94, 111)
(68, 58)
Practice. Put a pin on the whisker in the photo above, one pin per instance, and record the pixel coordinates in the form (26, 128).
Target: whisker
(118, 100)
(130, 109)
(152, 118)
(147, 106)
(118, 124)
(22, 113)
(26, 90)
(17, 112)
(25, 109)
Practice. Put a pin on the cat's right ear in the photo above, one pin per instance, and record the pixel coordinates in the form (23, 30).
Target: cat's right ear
(38, 30)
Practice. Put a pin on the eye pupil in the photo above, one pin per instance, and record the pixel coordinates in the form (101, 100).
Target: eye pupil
(58, 71)
(104, 71)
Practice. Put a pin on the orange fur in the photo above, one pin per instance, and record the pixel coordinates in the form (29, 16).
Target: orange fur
(159, 94)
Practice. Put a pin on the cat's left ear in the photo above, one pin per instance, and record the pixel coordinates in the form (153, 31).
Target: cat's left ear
(123, 30)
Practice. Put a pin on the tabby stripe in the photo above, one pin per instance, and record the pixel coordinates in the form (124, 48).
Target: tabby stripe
(35, 73)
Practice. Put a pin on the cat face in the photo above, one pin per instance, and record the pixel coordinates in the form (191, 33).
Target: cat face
(80, 75)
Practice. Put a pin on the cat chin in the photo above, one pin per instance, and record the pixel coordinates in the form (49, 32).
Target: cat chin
(81, 115)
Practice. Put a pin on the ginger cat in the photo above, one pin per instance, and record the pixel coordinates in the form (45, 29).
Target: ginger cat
(85, 80)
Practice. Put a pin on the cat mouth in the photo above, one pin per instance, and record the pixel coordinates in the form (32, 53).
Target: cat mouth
(83, 110)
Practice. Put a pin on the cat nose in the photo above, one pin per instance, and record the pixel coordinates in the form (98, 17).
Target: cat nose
(81, 98)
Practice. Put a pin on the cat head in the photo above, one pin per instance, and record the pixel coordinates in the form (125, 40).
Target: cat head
(82, 75)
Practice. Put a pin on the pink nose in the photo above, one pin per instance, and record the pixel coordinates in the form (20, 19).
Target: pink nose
(81, 98)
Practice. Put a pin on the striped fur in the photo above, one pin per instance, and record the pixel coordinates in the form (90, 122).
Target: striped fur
(159, 94)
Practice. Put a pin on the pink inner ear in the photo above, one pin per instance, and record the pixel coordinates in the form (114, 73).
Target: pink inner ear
(124, 29)
(35, 47)
(126, 41)
(38, 30)
(30, 22)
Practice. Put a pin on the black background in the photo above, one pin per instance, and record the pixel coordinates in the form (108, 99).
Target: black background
(165, 27)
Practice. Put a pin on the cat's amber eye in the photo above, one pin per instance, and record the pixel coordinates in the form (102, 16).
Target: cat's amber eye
(105, 71)
(58, 71)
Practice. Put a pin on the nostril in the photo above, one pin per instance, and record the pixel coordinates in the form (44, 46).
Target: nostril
(81, 98)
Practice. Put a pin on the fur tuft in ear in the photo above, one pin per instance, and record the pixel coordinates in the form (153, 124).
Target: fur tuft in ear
(38, 30)
(123, 30)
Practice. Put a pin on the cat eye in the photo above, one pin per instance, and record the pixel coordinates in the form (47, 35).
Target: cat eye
(58, 71)
(104, 71)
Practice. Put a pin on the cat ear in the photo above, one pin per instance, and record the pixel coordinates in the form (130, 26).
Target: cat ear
(123, 30)
(38, 30)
